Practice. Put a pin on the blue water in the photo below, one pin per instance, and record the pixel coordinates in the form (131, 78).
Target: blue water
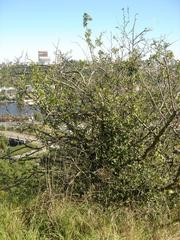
(12, 108)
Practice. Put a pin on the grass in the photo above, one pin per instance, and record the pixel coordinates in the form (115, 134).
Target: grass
(18, 150)
(12, 226)
(43, 217)
(21, 149)
(63, 219)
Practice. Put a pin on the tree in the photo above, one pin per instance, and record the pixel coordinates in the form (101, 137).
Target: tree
(111, 123)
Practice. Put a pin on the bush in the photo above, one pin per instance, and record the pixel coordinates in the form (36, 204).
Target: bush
(3, 143)
(20, 181)
(112, 121)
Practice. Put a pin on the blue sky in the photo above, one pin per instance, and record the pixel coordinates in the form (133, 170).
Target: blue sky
(32, 25)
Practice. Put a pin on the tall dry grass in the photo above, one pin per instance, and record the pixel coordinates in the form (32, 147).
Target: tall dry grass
(68, 220)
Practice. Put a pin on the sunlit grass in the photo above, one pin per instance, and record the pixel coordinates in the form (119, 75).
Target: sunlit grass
(21, 149)
(68, 220)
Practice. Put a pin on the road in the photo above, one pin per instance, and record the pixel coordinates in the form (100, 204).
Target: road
(20, 136)
(26, 138)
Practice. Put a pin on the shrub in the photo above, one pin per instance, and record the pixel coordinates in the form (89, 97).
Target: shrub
(111, 123)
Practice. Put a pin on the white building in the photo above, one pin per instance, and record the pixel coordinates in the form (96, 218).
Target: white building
(8, 91)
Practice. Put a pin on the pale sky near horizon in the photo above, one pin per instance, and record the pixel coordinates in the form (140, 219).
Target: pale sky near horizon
(27, 26)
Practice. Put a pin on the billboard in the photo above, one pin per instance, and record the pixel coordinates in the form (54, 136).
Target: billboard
(42, 54)
(43, 57)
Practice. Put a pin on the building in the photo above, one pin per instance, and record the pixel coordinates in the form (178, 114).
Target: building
(9, 92)
(43, 58)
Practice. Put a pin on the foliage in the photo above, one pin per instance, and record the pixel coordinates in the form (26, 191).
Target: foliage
(3, 144)
(12, 226)
(110, 130)
(19, 181)
(10, 72)
(112, 120)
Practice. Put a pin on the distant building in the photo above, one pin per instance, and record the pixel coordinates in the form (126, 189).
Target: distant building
(43, 58)
(9, 92)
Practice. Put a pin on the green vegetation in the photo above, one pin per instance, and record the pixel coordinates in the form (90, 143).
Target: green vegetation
(113, 119)
(3, 97)
(110, 127)
(9, 73)
(66, 220)
(27, 213)
(20, 149)
(3, 144)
